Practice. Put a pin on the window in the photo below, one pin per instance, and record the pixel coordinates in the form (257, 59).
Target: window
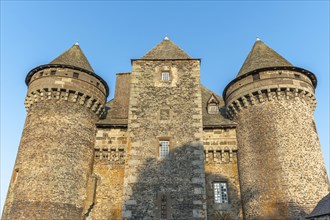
(296, 76)
(164, 147)
(165, 76)
(75, 75)
(256, 76)
(163, 208)
(220, 192)
(213, 109)
(52, 72)
(41, 74)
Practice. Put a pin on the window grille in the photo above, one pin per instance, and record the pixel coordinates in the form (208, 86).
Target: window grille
(164, 148)
(163, 208)
(75, 75)
(213, 109)
(165, 76)
(220, 192)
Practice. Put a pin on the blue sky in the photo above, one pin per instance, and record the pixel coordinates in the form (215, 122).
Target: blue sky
(111, 33)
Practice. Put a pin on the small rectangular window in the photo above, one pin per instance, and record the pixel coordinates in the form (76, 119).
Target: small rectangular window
(256, 76)
(165, 76)
(41, 74)
(52, 72)
(164, 147)
(220, 190)
(296, 76)
(213, 109)
(75, 75)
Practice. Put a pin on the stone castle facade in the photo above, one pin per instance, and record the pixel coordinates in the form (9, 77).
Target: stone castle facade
(166, 147)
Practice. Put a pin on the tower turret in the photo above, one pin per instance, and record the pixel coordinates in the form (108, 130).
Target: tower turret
(55, 157)
(281, 168)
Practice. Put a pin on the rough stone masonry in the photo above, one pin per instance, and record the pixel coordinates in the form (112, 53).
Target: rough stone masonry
(166, 147)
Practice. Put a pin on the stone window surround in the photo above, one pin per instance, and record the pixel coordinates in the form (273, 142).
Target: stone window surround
(165, 70)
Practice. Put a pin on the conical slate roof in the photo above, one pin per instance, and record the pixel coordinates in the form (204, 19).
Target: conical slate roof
(73, 57)
(166, 50)
(322, 208)
(262, 56)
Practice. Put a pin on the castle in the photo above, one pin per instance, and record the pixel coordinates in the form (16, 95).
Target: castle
(166, 147)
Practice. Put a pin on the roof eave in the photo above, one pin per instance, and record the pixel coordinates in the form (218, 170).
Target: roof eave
(41, 67)
(307, 73)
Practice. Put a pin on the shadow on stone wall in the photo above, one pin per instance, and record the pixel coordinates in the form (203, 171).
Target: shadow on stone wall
(169, 188)
(166, 187)
(230, 211)
(270, 210)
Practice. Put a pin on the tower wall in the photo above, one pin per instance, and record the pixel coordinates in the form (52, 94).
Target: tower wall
(281, 168)
(165, 111)
(56, 151)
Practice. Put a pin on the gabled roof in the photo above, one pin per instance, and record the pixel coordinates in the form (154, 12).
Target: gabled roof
(214, 120)
(166, 50)
(73, 57)
(213, 99)
(262, 56)
(322, 208)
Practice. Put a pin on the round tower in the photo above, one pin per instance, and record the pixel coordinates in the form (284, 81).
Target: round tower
(55, 157)
(281, 167)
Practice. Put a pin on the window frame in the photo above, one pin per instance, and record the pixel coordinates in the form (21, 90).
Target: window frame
(166, 76)
(212, 108)
(219, 197)
(164, 153)
(75, 75)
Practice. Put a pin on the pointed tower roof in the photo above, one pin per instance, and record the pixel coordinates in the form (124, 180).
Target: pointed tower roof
(262, 56)
(166, 50)
(73, 57)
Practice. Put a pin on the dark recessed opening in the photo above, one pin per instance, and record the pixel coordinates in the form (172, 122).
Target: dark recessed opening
(52, 72)
(75, 75)
(256, 76)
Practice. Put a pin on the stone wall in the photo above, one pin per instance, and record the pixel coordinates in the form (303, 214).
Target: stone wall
(53, 164)
(109, 165)
(220, 148)
(282, 171)
(66, 84)
(165, 110)
(53, 168)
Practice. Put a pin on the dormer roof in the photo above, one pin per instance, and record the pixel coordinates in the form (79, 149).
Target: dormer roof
(73, 57)
(166, 50)
(213, 99)
(262, 56)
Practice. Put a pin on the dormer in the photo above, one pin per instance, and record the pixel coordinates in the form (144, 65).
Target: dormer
(213, 105)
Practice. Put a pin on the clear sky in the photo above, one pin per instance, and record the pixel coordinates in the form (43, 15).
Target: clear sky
(111, 33)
